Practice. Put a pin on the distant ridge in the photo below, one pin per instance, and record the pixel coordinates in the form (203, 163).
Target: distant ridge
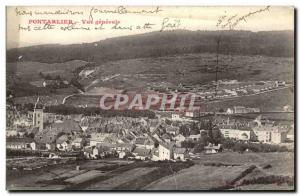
(156, 44)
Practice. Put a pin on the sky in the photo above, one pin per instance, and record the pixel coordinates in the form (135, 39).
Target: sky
(167, 18)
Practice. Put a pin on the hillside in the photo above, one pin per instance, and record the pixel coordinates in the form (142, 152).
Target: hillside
(157, 44)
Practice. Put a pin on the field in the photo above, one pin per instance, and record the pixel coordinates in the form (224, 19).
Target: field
(228, 170)
(271, 101)
(192, 69)
(209, 172)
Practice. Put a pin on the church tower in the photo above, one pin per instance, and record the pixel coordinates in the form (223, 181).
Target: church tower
(38, 120)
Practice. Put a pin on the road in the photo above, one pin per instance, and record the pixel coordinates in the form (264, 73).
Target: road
(65, 98)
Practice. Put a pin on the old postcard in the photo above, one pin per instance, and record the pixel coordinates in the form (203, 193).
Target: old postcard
(157, 98)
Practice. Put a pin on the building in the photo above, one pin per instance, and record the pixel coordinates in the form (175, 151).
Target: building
(229, 111)
(270, 134)
(124, 147)
(180, 154)
(78, 142)
(11, 133)
(38, 120)
(238, 134)
(144, 142)
(212, 149)
(46, 139)
(153, 125)
(98, 138)
(142, 153)
(165, 151)
(195, 137)
(178, 139)
(20, 144)
(172, 130)
(192, 114)
(175, 117)
(91, 153)
(63, 143)
(244, 110)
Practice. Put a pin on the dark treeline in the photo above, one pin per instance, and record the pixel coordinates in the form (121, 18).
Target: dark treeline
(67, 110)
(156, 44)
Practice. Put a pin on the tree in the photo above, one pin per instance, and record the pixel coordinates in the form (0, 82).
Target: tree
(187, 144)
(184, 130)
(221, 110)
(217, 136)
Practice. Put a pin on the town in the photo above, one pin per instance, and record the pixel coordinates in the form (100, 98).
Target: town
(168, 136)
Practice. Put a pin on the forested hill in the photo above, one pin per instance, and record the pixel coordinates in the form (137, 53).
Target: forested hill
(155, 44)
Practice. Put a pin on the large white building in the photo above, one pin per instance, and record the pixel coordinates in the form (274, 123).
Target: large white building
(165, 151)
(238, 134)
(270, 134)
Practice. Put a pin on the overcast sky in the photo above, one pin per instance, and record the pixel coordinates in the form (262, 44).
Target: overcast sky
(191, 18)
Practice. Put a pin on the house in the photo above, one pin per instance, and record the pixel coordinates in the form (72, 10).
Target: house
(11, 133)
(239, 109)
(22, 122)
(153, 125)
(20, 143)
(178, 139)
(155, 154)
(97, 138)
(290, 134)
(166, 137)
(142, 153)
(63, 143)
(172, 130)
(180, 154)
(195, 137)
(270, 134)
(143, 142)
(105, 149)
(212, 149)
(123, 154)
(46, 139)
(229, 111)
(165, 151)
(253, 110)
(124, 147)
(175, 117)
(192, 114)
(239, 134)
(67, 126)
(91, 153)
(78, 142)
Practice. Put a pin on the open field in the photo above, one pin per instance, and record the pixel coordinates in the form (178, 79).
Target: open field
(116, 181)
(199, 177)
(192, 69)
(226, 170)
(270, 101)
(232, 170)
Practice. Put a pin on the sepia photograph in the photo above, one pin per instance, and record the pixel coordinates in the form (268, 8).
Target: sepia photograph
(150, 98)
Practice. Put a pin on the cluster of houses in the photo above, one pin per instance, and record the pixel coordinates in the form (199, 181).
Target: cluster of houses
(264, 131)
(125, 137)
(99, 137)
(225, 88)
